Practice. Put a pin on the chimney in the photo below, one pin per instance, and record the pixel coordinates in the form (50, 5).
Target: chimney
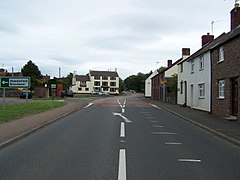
(169, 63)
(235, 16)
(207, 38)
(185, 53)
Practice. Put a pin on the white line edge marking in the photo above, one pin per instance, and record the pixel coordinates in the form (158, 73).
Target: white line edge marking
(155, 106)
(164, 133)
(122, 170)
(172, 143)
(190, 160)
(88, 105)
(122, 129)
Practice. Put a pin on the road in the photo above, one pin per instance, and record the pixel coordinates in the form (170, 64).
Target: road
(119, 138)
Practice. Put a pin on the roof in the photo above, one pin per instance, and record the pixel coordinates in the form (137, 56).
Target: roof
(82, 78)
(104, 73)
(220, 40)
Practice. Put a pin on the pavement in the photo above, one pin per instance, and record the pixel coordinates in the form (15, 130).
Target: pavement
(224, 128)
(17, 129)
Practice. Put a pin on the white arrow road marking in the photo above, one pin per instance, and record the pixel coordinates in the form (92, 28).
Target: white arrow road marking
(122, 169)
(88, 105)
(122, 106)
(123, 117)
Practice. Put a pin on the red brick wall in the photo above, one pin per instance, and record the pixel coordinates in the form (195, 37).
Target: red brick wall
(226, 70)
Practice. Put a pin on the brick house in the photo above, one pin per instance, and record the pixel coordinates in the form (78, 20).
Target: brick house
(226, 70)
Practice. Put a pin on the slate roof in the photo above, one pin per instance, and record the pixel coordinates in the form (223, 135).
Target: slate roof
(82, 78)
(220, 40)
(104, 73)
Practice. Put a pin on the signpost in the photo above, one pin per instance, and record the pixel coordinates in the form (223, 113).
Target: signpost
(14, 83)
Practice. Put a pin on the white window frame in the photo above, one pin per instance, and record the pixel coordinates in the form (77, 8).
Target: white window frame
(221, 54)
(221, 85)
(201, 90)
(201, 63)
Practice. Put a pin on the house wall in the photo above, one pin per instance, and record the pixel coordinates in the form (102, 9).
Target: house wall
(148, 84)
(226, 70)
(197, 77)
(171, 71)
(100, 88)
(183, 77)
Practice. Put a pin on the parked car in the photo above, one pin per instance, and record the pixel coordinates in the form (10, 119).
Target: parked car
(103, 94)
(69, 93)
(23, 94)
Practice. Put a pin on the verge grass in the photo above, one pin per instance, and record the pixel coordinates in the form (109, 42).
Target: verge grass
(16, 111)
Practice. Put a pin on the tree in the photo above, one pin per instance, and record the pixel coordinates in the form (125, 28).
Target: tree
(136, 82)
(31, 70)
(162, 68)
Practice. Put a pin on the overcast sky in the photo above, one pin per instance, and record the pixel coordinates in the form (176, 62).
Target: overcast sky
(81, 35)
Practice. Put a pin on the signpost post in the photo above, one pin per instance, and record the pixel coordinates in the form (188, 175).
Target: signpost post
(14, 83)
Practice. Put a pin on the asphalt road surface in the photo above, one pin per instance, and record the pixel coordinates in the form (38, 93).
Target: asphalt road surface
(119, 138)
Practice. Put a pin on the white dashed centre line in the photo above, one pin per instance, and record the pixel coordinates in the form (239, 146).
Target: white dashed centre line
(122, 169)
(122, 129)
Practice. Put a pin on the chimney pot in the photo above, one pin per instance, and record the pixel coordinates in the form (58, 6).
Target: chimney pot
(235, 16)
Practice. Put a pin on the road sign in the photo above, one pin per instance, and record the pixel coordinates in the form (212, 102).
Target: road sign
(15, 82)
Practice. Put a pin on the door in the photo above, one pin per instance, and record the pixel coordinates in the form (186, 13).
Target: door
(234, 97)
(185, 84)
(191, 95)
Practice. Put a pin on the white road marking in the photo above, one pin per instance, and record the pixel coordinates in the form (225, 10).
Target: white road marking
(119, 103)
(88, 105)
(150, 117)
(157, 126)
(164, 133)
(124, 104)
(172, 143)
(122, 141)
(123, 117)
(155, 106)
(122, 129)
(153, 121)
(123, 110)
(190, 160)
(122, 169)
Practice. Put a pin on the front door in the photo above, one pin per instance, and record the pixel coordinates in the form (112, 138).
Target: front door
(234, 97)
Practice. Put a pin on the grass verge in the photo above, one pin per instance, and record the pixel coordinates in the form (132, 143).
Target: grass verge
(16, 111)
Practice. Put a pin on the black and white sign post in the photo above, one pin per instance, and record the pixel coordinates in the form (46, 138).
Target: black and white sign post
(14, 83)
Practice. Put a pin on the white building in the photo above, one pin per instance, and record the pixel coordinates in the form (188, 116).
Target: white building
(96, 81)
(194, 77)
(148, 84)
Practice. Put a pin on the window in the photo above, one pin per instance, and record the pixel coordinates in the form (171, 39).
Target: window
(201, 63)
(80, 89)
(192, 66)
(181, 67)
(105, 84)
(221, 89)
(97, 77)
(201, 88)
(112, 84)
(112, 90)
(105, 89)
(86, 89)
(96, 83)
(221, 54)
(105, 78)
(113, 78)
(181, 87)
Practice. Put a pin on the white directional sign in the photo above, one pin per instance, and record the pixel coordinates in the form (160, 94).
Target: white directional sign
(15, 82)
